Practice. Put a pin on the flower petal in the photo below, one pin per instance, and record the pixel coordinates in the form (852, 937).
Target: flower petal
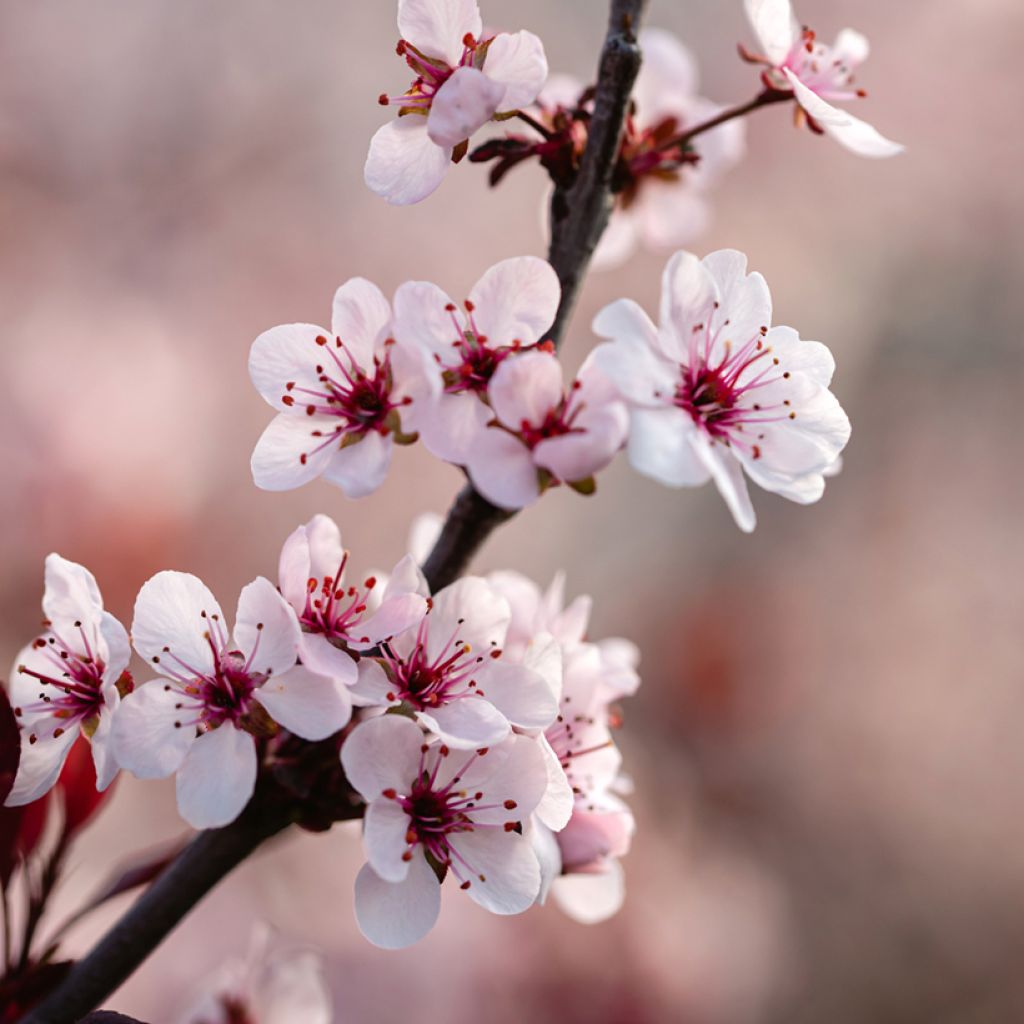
(744, 297)
(393, 915)
(103, 751)
(517, 62)
(660, 447)
(823, 112)
(450, 426)
(592, 897)
(526, 388)
(71, 592)
(361, 317)
(175, 610)
(522, 695)
(145, 738)
(506, 875)
(319, 655)
(555, 808)
(469, 611)
(465, 103)
(382, 753)
(277, 461)
(424, 322)
(516, 300)
(861, 138)
(395, 615)
(217, 777)
(437, 27)
(667, 78)
(465, 724)
(404, 165)
(372, 687)
(688, 292)
(851, 48)
(309, 705)
(284, 355)
(727, 472)
(502, 470)
(385, 826)
(775, 26)
(39, 765)
(266, 629)
(360, 468)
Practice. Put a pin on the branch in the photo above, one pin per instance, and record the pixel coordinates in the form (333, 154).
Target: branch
(579, 215)
(763, 99)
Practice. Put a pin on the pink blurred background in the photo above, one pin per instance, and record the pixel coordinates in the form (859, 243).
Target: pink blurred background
(827, 746)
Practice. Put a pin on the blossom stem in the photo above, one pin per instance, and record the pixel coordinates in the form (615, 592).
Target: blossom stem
(762, 99)
(533, 123)
(579, 215)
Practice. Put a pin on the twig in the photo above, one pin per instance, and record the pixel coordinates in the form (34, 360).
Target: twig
(762, 99)
(579, 215)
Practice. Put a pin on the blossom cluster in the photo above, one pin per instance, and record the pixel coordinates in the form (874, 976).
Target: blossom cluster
(475, 723)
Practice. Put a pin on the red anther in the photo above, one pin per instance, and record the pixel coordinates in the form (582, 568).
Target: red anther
(510, 805)
(287, 400)
(862, 93)
(510, 826)
(311, 584)
(321, 340)
(400, 48)
(370, 582)
(756, 452)
(468, 40)
(383, 100)
(547, 346)
(407, 856)
(465, 885)
(469, 306)
(303, 458)
(310, 410)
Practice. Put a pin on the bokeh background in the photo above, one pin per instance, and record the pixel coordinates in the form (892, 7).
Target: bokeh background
(827, 748)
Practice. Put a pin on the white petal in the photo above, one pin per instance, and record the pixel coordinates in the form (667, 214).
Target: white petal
(309, 705)
(175, 610)
(382, 753)
(39, 765)
(746, 301)
(670, 214)
(660, 447)
(360, 468)
(502, 470)
(361, 317)
(592, 897)
(465, 103)
(277, 463)
(667, 78)
(861, 138)
(422, 320)
(555, 808)
(284, 355)
(465, 724)
(516, 300)
(145, 739)
(423, 535)
(823, 112)
(294, 567)
(293, 988)
(452, 426)
(600, 433)
(217, 778)
(726, 471)
(517, 62)
(103, 751)
(266, 629)
(619, 240)
(71, 592)
(526, 388)
(807, 357)
(385, 825)
(319, 655)
(393, 915)
(687, 293)
(469, 610)
(372, 686)
(437, 27)
(119, 650)
(395, 616)
(522, 695)
(406, 577)
(404, 165)
(851, 48)
(506, 875)
(775, 26)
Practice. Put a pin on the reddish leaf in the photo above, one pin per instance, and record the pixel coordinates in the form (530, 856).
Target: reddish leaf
(77, 784)
(10, 746)
(20, 992)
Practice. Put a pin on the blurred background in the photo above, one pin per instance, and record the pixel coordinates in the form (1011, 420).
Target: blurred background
(827, 746)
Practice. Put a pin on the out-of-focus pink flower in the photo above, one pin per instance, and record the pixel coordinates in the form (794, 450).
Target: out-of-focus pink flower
(216, 694)
(433, 811)
(462, 80)
(818, 75)
(337, 620)
(273, 984)
(65, 683)
(541, 434)
(451, 674)
(715, 392)
(508, 310)
(339, 395)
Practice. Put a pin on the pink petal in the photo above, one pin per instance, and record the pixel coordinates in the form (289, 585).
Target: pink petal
(266, 629)
(516, 300)
(360, 468)
(145, 738)
(385, 825)
(217, 778)
(775, 26)
(175, 609)
(517, 62)
(466, 724)
(393, 915)
(437, 27)
(382, 753)
(526, 388)
(277, 463)
(361, 317)
(311, 706)
(404, 165)
(502, 470)
(591, 898)
(284, 355)
(465, 103)
(506, 875)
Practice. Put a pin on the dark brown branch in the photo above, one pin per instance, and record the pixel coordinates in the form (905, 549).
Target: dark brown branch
(579, 215)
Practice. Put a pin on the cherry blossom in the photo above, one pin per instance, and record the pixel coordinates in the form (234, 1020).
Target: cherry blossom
(450, 673)
(67, 682)
(338, 621)
(715, 391)
(817, 74)
(508, 310)
(663, 203)
(541, 434)
(340, 396)
(433, 812)
(463, 79)
(274, 983)
(216, 695)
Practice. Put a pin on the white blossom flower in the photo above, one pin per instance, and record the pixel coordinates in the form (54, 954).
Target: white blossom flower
(433, 811)
(65, 683)
(337, 620)
(715, 392)
(818, 75)
(541, 434)
(215, 694)
(451, 674)
(273, 983)
(664, 204)
(340, 395)
(508, 310)
(462, 80)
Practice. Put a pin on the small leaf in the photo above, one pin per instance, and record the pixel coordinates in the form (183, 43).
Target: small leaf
(10, 746)
(586, 487)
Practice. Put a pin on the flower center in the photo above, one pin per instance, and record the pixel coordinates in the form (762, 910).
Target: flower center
(72, 689)
(558, 421)
(334, 610)
(431, 73)
(821, 69)
(475, 361)
(650, 152)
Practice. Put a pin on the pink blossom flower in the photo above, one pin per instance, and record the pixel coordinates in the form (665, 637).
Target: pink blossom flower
(340, 395)
(463, 79)
(272, 984)
(817, 74)
(663, 205)
(337, 620)
(541, 435)
(432, 812)
(215, 694)
(65, 683)
(715, 392)
(450, 673)
(508, 310)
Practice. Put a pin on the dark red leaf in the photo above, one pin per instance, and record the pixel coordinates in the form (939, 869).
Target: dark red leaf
(10, 746)
(77, 784)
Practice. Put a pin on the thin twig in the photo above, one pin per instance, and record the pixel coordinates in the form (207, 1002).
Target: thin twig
(579, 215)
(762, 99)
